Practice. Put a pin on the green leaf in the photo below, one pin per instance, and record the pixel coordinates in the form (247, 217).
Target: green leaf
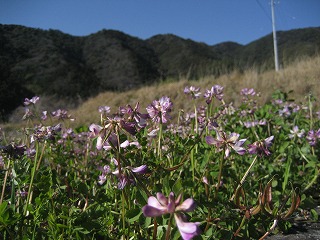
(314, 214)
(133, 215)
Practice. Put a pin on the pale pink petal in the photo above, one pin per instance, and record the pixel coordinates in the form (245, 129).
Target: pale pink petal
(171, 205)
(210, 140)
(162, 199)
(188, 205)
(188, 230)
(153, 202)
(99, 143)
(125, 144)
(149, 211)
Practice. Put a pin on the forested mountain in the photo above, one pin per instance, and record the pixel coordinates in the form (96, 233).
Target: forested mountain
(49, 62)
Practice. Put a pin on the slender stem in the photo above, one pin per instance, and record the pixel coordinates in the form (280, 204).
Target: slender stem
(5, 181)
(169, 228)
(123, 212)
(244, 177)
(220, 173)
(275, 223)
(160, 141)
(192, 163)
(286, 174)
(241, 225)
(196, 118)
(155, 229)
(310, 111)
(314, 179)
(42, 152)
(31, 181)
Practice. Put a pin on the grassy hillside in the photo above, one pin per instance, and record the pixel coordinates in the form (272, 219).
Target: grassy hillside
(302, 77)
(41, 62)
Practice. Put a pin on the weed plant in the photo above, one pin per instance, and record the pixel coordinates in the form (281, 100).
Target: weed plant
(217, 172)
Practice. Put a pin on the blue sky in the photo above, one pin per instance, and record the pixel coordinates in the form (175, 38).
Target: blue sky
(209, 21)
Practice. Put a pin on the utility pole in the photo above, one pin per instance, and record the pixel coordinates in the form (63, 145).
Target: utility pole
(275, 47)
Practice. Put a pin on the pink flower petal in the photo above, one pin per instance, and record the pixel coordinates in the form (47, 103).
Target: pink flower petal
(188, 230)
(162, 199)
(188, 205)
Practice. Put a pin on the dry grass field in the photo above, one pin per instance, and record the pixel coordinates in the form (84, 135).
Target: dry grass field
(302, 77)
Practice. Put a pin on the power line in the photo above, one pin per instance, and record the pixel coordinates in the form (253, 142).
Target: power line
(264, 10)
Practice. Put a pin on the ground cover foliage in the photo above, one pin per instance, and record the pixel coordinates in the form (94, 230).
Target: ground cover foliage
(217, 172)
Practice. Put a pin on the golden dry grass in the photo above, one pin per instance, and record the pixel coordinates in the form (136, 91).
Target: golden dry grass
(302, 76)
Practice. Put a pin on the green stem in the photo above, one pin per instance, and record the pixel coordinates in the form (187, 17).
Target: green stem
(5, 181)
(31, 181)
(196, 118)
(314, 179)
(123, 213)
(286, 174)
(169, 228)
(244, 177)
(192, 163)
(160, 141)
(241, 225)
(220, 174)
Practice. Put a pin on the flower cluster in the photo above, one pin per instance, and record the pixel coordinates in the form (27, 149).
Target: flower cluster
(261, 148)
(42, 133)
(124, 175)
(215, 91)
(192, 91)
(313, 137)
(159, 109)
(31, 101)
(223, 141)
(295, 132)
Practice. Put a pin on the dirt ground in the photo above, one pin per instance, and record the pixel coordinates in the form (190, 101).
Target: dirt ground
(301, 231)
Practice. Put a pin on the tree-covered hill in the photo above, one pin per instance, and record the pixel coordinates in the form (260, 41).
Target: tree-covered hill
(50, 62)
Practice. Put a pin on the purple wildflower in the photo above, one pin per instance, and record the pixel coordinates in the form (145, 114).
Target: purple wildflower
(261, 147)
(134, 114)
(104, 109)
(28, 114)
(227, 142)
(33, 100)
(296, 133)
(215, 91)
(61, 114)
(44, 115)
(192, 91)
(313, 136)
(255, 123)
(103, 177)
(161, 205)
(247, 92)
(112, 142)
(21, 193)
(1, 162)
(124, 175)
(45, 133)
(158, 110)
(285, 111)
(188, 230)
